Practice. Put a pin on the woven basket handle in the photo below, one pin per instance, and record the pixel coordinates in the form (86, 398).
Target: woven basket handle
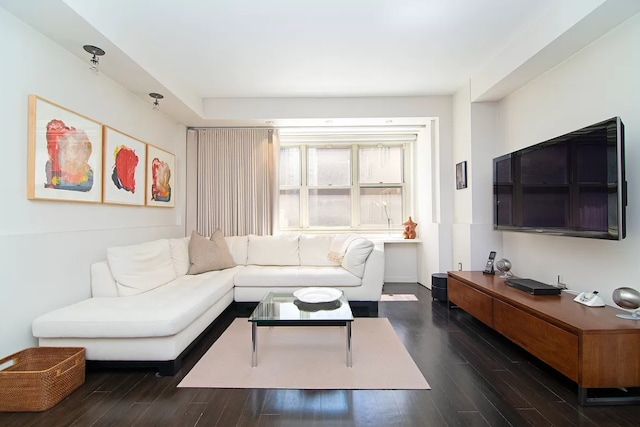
(8, 359)
(60, 372)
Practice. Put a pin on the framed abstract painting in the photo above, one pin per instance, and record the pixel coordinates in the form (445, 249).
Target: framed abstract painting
(160, 177)
(124, 168)
(64, 154)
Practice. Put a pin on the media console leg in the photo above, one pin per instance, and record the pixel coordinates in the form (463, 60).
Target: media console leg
(582, 396)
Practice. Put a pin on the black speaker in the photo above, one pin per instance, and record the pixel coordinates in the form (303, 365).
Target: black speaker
(439, 287)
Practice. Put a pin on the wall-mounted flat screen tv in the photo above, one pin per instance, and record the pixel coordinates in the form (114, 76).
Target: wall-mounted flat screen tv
(572, 185)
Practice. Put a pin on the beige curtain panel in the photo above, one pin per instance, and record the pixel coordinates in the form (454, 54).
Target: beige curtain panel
(235, 181)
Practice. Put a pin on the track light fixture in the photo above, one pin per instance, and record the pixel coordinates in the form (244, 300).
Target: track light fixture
(156, 104)
(96, 52)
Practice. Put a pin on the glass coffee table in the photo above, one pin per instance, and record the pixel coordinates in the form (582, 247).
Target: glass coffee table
(284, 309)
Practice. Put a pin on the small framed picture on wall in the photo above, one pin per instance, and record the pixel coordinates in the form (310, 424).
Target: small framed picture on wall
(160, 177)
(124, 168)
(461, 175)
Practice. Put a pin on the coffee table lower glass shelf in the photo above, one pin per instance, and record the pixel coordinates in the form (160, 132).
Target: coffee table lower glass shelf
(283, 309)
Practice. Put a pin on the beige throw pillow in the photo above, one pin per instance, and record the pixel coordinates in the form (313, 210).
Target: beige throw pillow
(208, 254)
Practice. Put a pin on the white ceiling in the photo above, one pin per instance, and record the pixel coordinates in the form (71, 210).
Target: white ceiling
(194, 50)
(290, 48)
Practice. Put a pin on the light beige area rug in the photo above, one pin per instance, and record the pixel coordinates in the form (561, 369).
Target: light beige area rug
(310, 357)
(398, 297)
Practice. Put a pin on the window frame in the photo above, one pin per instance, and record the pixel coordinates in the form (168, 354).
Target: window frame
(354, 187)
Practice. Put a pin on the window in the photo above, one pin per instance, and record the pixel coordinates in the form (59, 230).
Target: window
(342, 185)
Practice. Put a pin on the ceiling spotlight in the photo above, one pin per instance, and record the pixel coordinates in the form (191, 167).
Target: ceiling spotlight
(156, 104)
(96, 52)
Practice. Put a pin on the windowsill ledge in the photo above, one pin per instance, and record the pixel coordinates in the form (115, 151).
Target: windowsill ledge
(378, 238)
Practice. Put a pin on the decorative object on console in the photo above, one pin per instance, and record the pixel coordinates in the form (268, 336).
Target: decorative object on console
(156, 97)
(461, 175)
(64, 154)
(409, 229)
(628, 298)
(160, 177)
(504, 266)
(94, 61)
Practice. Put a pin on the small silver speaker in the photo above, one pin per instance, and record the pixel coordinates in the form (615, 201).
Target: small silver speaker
(504, 266)
(627, 298)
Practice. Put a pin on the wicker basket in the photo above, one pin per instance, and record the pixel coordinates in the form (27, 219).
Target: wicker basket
(40, 377)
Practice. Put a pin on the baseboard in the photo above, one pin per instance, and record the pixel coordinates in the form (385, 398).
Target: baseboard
(400, 279)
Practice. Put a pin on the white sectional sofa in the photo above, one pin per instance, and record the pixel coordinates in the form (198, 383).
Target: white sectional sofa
(147, 310)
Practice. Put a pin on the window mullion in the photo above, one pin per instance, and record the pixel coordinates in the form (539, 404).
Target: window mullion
(355, 187)
(304, 189)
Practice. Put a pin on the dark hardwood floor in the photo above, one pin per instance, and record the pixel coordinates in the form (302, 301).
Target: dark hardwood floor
(477, 377)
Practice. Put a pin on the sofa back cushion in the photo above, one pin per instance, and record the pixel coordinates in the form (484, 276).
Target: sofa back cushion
(102, 282)
(314, 250)
(180, 255)
(140, 268)
(238, 246)
(208, 254)
(273, 250)
(356, 256)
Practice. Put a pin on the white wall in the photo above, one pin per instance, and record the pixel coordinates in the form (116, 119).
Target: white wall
(462, 200)
(599, 82)
(474, 130)
(46, 247)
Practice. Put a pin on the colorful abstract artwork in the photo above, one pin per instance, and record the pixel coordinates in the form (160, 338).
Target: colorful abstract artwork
(64, 154)
(124, 168)
(160, 177)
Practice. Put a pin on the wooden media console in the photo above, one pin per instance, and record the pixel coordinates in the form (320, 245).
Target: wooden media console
(589, 345)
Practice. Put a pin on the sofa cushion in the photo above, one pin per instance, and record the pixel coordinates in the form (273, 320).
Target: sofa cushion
(180, 255)
(238, 246)
(161, 312)
(273, 250)
(294, 276)
(314, 250)
(356, 256)
(208, 254)
(140, 268)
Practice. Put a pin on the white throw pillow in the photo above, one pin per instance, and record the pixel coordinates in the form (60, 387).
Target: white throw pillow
(356, 256)
(140, 268)
(273, 250)
(314, 249)
(180, 255)
(238, 246)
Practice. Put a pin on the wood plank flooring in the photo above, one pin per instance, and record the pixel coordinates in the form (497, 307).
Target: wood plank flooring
(478, 378)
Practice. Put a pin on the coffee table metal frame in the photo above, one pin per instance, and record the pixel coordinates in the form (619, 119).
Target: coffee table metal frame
(268, 313)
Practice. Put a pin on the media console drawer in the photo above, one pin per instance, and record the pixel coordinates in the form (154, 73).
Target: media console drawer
(555, 346)
(476, 303)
